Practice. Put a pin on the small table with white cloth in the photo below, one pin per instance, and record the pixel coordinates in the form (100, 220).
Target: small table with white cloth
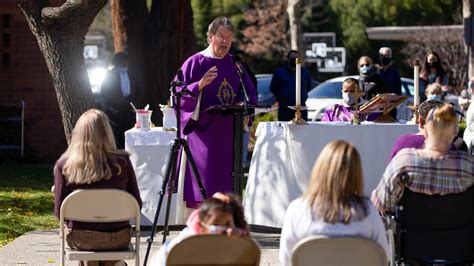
(148, 153)
(284, 156)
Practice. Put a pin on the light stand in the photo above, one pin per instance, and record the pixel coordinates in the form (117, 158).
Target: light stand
(171, 166)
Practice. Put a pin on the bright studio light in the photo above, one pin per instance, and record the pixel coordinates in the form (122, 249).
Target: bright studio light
(96, 76)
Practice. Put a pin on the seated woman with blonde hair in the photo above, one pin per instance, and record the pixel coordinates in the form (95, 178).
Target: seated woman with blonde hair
(334, 203)
(434, 170)
(92, 161)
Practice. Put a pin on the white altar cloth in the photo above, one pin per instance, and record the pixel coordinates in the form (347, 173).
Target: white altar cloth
(148, 153)
(284, 156)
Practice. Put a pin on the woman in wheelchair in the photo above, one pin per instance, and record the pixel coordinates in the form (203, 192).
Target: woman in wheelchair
(435, 169)
(429, 192)
(334, 203)
(221, 214)
(92, 161)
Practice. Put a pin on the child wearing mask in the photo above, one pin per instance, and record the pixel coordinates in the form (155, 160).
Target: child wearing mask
(221, 214)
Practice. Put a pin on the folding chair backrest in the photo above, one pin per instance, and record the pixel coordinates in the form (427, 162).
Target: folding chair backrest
(435, 226)
(325, 250)
(214, 249)
(99, 205)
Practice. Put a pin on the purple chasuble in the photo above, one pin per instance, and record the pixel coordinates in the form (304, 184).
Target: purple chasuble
(344, 113)
(210, 136)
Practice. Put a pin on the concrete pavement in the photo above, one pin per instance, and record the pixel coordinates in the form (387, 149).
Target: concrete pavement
(42, 248)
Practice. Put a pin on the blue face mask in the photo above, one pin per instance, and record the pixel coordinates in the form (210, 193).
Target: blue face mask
(365, 70)
(434, 97)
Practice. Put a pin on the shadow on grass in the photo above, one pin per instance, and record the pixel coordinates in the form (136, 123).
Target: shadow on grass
(24, 177)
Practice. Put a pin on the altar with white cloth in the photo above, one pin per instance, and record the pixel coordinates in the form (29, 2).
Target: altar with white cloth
(284, 156)
(148, 153)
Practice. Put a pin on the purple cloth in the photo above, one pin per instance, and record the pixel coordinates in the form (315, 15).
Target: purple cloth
(416, 141)
(340, 113)
(210, 137)
(126, 180)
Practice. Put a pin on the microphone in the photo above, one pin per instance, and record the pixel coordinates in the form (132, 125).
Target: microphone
(180, 82)
(180, 78)
(240, 72)
(238, 64)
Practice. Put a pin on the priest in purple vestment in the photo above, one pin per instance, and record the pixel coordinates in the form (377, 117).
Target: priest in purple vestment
(345, 110)
(212, 76)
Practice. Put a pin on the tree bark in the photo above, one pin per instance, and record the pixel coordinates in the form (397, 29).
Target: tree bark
(157, 43)
(118, 26)
(468, 10)
(60, 33)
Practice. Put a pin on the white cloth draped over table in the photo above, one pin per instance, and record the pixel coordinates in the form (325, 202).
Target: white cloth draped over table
(149, 153)
(284, 156)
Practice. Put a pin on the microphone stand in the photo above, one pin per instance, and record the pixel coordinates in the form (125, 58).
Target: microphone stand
(240, 71)
(238, 138)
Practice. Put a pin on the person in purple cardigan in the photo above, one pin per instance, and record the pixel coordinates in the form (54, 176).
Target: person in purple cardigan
(92, 161)
(417, 140)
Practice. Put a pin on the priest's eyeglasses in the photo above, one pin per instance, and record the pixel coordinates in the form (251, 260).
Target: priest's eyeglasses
(226, 38)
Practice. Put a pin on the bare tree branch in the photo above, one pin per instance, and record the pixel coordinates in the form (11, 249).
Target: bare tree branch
(72, 11)
(67, 9)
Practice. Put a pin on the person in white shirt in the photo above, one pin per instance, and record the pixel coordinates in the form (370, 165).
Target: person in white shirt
(469, 131)
(334, 203)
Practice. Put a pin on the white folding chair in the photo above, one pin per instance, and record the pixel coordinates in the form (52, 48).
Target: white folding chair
(100, 205)
(214, 250)
(340, 251)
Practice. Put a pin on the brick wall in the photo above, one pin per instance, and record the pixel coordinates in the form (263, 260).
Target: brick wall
(24, 76)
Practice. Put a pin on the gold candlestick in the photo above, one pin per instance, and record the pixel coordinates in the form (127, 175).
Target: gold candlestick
(357, 94)
(298, 120)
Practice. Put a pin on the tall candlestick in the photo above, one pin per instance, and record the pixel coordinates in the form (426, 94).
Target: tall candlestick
(416, 81)
(298, 81)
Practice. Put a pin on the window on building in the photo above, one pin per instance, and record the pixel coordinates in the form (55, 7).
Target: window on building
(6, 21)
(6, 60)
(6, 40)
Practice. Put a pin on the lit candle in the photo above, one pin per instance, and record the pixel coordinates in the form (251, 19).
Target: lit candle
(416, 81)
(298, 82)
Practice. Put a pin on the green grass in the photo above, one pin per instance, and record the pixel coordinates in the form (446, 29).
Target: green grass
(26, 201)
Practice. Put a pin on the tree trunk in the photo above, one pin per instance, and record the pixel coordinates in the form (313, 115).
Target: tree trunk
(468, 10)
(294, 15)
(157, 43)
(60, 34)
(118, 26)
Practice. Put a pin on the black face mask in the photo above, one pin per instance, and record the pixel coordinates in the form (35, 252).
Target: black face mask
(386, 60)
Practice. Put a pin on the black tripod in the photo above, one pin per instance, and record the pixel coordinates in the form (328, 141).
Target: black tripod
(171, 166)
